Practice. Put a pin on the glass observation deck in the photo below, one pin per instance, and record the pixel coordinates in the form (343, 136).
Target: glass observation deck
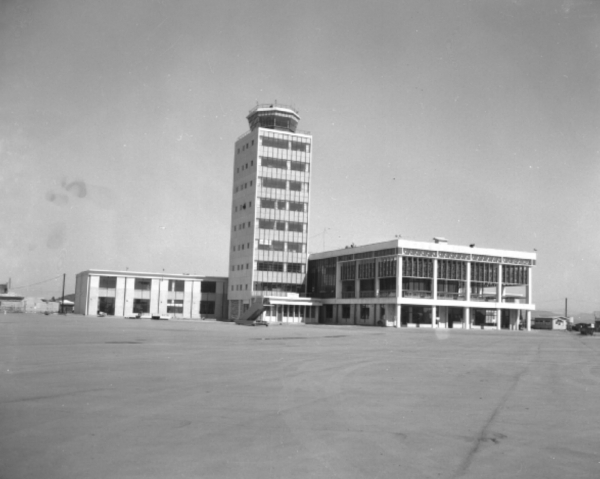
(274, 117)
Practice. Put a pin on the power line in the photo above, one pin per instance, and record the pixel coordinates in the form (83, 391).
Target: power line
(35, 284)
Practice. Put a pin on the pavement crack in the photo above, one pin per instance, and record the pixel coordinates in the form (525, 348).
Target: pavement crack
(484, 434)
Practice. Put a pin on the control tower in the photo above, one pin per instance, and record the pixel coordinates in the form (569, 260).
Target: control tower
(269, 214)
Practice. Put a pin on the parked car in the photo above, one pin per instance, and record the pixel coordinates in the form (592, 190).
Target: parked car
(587, 329)
(577, 327)
(260, 322)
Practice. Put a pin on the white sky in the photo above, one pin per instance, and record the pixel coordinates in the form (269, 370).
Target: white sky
(473, 120)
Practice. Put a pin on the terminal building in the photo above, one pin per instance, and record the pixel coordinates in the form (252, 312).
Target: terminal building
(271, 276)
(405, 283)
(127, 294)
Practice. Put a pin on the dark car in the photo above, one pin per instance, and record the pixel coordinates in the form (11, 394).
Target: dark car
(587, 329)
(577, 327)
(260, 322)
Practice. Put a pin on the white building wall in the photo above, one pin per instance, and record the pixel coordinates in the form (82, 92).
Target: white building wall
(93, 294)
(120, 297)
(187, 299)
(129, 296)
(196, 299)
(154, 296)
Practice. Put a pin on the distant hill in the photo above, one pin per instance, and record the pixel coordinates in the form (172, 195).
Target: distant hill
(584, 317)
(544, 314)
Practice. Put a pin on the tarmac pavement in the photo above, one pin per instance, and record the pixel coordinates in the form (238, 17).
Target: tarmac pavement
(86, 397)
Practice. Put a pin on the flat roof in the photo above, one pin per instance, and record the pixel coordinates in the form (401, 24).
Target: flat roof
(139, 274)
(424, 246)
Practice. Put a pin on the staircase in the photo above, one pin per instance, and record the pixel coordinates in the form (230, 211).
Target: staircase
(254, 311)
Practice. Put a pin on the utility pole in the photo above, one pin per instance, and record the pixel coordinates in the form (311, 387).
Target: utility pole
(566, 301)
(63, 295)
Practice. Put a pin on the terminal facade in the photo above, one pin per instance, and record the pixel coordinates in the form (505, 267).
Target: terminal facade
(405, 283)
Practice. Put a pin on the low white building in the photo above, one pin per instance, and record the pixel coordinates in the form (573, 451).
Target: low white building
(555, 322)
(128, 293)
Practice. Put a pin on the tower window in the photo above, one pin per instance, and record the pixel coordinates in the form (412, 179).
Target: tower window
(266, 224)
(297, 146)
(266, 203)
(295, 186)
(269, 266)
(294, 267)
(296, 166)
(274, 142)
(293, 226)
(273, 163)
(296, 206)
(274, 183)
(294, 247)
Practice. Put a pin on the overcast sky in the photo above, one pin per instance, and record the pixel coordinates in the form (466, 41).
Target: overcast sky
(473, 120)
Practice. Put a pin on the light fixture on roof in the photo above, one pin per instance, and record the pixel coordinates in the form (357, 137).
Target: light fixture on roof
(439, 239)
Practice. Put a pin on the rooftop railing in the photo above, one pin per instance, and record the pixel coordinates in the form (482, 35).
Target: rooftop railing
(454, 296)
(274, 105)
(301, 132)
(417, 294)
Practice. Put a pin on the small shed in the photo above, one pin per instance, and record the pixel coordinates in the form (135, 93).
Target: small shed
(555, 322)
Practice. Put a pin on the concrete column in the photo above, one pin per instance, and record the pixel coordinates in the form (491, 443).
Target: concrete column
(376, 278)
(499, 298)
(338, 280)
(120, 297)
(468, 285)
(129, 296)
(528, 320)
(356, 281)
(398, 278)
(467, 318)
(530, 285)
(398, 315)
(433, 316)
(435, 275)
(499, 286)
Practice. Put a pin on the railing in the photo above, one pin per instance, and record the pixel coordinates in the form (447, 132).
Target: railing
(482, 297)
(275, 293)
(367, 294)
(416, 294)
(387, 293)
(298, 131)
(348, 294)
(454, 296)
(273, 105)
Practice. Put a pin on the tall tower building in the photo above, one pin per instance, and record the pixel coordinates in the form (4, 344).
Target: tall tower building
(269, 218)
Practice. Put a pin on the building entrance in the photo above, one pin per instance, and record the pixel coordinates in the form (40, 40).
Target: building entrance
(106, 305)
(455, 317)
